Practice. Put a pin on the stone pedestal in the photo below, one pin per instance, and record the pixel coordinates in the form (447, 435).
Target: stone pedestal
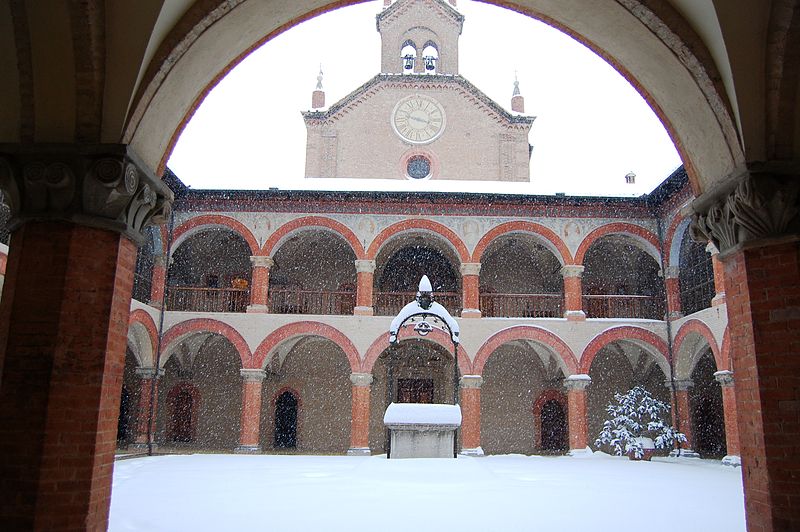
(422, 430)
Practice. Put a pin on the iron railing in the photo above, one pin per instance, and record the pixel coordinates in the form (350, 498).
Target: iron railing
(194, 299)
(623, 306)
(390, 303)
(522, 305)
(293, 301)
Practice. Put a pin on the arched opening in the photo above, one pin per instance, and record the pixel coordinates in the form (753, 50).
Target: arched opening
(520, 278)
(401, 264)
(200, 282)
(408, 56)
(430, 57)
(181, 416)
(129, 401)
(621, 280)
(314, 273)
(554, 427)
(696, 276)
(708, 419)
(286, 421)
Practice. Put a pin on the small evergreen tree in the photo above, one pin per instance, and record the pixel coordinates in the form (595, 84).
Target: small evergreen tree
(635, 415)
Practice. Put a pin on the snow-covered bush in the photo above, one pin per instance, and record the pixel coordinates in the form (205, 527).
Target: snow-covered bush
(636, 415)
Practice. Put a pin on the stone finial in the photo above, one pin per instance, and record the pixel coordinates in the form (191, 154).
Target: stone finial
(318, 96)
(577, 382)
(361, 379)
(517, 100)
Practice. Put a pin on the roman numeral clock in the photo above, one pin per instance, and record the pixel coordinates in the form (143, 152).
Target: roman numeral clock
(418, 119)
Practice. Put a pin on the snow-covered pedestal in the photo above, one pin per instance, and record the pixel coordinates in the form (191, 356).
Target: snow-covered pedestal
(422, 430)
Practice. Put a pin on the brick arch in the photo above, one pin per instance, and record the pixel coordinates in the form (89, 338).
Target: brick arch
(209, 221)
(641, 235)
(674, 239)
(697, 327)
(286, 229)
(436, 336)
(626, 333)
(527, 332)
(200, 325)
(145, 320)
(725, 353)
(543, 233)
(419, 224)
(305, 328)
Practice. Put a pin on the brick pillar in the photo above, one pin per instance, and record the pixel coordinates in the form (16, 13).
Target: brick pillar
(471, 415)
(576, 412)
(259, 285)
(365, 270)
(719, 276)
(672, 285)
(148, 377)
(573, 293)
(249, 428)
(470, 283)
(63, 326)
(359, 421)
(725, 380)
(157, 281)
(3, 261)
(682, 416)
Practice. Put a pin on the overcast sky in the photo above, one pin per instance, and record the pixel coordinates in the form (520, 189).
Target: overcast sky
(591, 129)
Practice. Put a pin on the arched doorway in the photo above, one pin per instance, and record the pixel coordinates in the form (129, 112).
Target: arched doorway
(181, 428)
(553, 427)
(708, 419)
(286, 421)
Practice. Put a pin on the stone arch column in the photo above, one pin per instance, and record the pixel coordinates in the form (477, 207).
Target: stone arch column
(719, 276)
(726, 382)
(470, 386)
(682, 416)
(148, 386)
(252, 380)
(576, 411)
(470, 285)
(672, 286)
(157, 281)
(359, 425)
(365, 273)
(259, 287)
(573, 292)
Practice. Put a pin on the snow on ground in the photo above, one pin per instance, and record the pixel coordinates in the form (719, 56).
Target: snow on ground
(495, 493)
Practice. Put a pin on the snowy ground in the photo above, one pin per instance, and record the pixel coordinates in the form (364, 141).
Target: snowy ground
(495, 493)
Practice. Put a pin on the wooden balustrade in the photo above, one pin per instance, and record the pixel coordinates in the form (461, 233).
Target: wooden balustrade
(522, 305)
(292, 301)
(623, 306)
(390, 303)
(194, 299)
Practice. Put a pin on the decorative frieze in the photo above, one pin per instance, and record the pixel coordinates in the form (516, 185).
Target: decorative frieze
(99, 186)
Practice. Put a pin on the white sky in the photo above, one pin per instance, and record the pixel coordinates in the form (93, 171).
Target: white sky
(592, 127)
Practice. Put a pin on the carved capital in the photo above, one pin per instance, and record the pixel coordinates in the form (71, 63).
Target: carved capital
(760, 205)
(365, 266)
(261, 261)
(672, 272)
(572, 270)
(100, 186)
(682, 385)
(577, 382)
(470, 381)
(149, 373)
(361, 379)
(724, 378)
(471, 268)
(252, 375)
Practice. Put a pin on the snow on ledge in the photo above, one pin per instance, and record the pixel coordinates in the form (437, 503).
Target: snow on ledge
(422, 414)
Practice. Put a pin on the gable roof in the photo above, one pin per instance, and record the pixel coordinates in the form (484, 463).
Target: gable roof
(397, 9)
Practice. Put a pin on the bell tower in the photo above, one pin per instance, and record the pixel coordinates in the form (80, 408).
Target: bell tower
(419, 37)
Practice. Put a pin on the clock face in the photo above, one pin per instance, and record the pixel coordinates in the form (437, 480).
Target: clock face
(418, 119)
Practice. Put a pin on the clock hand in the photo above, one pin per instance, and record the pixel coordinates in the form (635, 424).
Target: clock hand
(417, 119)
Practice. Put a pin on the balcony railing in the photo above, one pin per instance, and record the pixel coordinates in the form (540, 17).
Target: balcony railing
(390, 303)
(290, 301)
(623, 306)
(522, 305)
(193, 299)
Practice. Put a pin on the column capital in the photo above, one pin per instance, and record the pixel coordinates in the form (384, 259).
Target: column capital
(361, 379)
(470, 382)
(102, 185)
(577, 382)
(681, 385)
(760, 205)
(724, 378)
(470, 268)
(149, 372)
(261, 261)
(672, 272)
(365, 266)
(160, 260)
(712, 249)
(252, 375)
(572, 270)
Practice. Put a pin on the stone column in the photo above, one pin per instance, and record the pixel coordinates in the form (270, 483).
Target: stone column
(576, 412)
(365, 270)
(249, 428)
(259, 286)
(672, 285)
(725, 380)
(719, 276)
(754, 221)
(77, 214)
(157, 281)
(682, 416)
(359, 420)
(471, 415)
(148, 390)
(573, 293)
(470, 284)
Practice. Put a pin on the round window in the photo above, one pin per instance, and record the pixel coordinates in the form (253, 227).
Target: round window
(419, 167)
